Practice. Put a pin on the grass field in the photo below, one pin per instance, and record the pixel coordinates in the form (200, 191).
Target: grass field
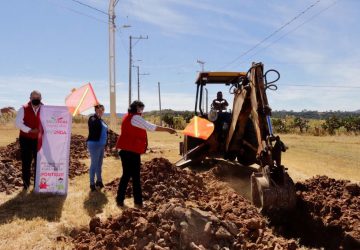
(30, 221)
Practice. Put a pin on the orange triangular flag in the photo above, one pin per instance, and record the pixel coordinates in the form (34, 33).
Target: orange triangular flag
(199, 128)
(81, 99)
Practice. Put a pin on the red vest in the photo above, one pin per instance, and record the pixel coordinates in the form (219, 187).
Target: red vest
(132, 138)
(31, 120)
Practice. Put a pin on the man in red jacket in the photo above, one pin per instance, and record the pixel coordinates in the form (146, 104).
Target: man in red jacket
(132, 142)
(28, 120)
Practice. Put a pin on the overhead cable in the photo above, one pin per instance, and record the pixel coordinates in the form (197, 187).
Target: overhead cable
(272, 34)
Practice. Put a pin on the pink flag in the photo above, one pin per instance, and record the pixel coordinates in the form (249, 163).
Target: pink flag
(81, 99)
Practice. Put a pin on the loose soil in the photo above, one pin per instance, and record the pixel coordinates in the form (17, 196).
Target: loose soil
(189, 210)
(327, 214)
(183, 210)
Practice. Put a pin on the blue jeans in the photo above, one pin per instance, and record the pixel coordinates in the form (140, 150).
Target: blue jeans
(96, 155)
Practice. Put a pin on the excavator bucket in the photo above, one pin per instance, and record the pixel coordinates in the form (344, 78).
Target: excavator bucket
(268, 195)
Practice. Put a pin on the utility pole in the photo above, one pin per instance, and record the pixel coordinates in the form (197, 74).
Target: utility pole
(130, 61)
(112, 28)
(138, 80)
(159, 102)
(202, 64)
(143, 74)
(137, 68)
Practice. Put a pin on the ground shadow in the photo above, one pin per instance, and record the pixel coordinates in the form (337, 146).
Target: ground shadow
(310, 230)
(95, 203)
(32, 205)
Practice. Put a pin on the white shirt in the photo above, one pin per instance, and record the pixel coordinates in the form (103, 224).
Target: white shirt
(139, 122)
(19, 122)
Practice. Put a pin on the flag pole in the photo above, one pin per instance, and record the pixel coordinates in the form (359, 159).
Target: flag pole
(81, 101)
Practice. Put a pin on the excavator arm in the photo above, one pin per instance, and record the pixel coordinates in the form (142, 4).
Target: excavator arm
(272, 188)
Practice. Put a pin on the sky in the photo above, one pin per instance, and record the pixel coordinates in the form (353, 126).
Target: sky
(57, 45)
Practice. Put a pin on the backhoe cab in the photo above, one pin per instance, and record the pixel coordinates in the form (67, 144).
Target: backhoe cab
(245, 135)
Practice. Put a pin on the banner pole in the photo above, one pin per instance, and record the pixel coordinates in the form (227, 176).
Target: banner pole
(81, 101)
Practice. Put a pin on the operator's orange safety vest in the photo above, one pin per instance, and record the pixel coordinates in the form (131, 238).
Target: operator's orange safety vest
(132, 138)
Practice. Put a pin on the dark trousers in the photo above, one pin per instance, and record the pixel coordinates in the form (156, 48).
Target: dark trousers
(28, 148)
(131, 169)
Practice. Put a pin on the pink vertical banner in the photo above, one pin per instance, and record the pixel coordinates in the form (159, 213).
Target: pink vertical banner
(52, 168)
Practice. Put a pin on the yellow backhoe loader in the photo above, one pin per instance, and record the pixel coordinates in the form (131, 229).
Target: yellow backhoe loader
(245, 135)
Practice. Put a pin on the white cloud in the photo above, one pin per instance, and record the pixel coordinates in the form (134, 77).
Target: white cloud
(160, 14)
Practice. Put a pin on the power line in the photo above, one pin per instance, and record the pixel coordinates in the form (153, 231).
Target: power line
(91, 7)
(122, 42)
(95, 18)
(309, 63)
(78, 12)
(272, 34)
(296, 28)
(337, 86)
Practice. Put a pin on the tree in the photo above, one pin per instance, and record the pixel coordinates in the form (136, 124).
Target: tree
(332, 124)
(301, 123)
(280, 125)
(351, 123)
(168, 118)
(179, 122)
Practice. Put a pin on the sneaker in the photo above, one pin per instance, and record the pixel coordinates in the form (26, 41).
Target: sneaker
(93, 188)
(99, 184)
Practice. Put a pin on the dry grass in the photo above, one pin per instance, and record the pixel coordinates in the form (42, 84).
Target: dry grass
(30, 221)
(335, 156)
(8, 134)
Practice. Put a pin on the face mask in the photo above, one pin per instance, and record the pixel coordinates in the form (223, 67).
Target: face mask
(35, 102)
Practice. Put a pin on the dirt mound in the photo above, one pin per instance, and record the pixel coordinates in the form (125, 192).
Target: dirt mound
(334, 203)
(78, 147)
(11, 151)
(326, 216)
(10, 175)
(10, 168)
(163, 181)
(112, 139)
(183, 210)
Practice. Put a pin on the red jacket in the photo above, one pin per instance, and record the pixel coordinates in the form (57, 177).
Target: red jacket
(132, 138)
(31, 120)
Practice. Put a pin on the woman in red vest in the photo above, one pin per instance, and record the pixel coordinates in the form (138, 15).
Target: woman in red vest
(132, 142)
(27, 120)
